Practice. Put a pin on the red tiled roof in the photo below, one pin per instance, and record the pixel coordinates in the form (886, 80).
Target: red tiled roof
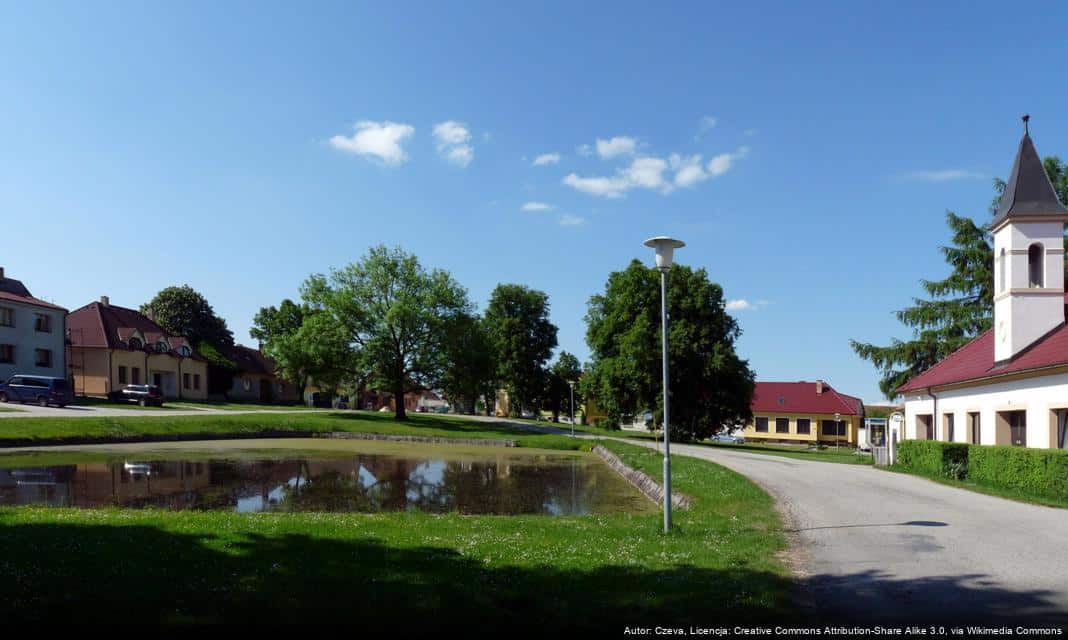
(4, 295)
(975, 360)
(801, 397)
(111, 327)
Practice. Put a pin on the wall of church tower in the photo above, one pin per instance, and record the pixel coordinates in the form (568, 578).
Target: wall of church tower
(1024, 311)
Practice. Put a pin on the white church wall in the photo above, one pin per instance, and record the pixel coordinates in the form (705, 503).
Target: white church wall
(1037, 396)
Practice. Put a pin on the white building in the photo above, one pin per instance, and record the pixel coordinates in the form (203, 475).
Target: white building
(1009, 386)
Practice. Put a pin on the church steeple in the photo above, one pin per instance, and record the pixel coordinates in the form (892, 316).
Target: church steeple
(1028, 256)
(1028, 191)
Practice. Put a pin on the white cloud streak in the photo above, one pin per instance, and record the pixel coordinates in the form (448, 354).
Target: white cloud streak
(546, 159)
(617, 146)
(536, 206)
(944, 175)
(381, 141)
(453, 142)
(568, 220)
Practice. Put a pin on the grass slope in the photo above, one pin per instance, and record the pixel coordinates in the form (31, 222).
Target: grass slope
(408, 572)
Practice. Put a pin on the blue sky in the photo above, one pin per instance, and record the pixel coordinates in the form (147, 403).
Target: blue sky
(240, 148)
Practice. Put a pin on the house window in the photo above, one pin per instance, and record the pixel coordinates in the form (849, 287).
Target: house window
(43, 357)
(1018, 428)
(7, 353)
(831, 428)
(782, 425)
(122, 374)
(247, 384)
(162, 347)
(974, 427)
(948, 427)
(762, 425)
(7, 317)
(184, 351)
(135, 343)
(804, 425)
(1035, 268)
(1062, 429)
(196, 381)
(135, 376)
(185, 380)
(42, 323)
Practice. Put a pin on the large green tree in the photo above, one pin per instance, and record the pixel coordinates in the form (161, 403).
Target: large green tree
(182, 311)
(523, 338)
(567, 369)
(272, 322)
(959, 307)
(470, 371)
(318, 349)
(396, 314)
(711, 387)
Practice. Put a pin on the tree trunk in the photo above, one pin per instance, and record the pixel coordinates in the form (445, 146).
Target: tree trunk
(399, 413)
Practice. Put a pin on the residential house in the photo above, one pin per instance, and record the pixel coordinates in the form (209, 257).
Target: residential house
(1009, 386)
(31, 333)
(803, 413)
(256, 379)
(112, 346)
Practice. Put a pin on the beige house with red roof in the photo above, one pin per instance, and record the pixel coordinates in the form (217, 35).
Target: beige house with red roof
(256, 381)
(1009, 386)
(112, 346)
(803, 413)
(31, 333)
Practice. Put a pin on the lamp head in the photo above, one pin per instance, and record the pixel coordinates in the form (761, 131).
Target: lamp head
(665, 250)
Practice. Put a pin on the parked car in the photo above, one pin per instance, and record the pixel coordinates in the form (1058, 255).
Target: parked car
(729, 438)
(143, 394)
(40, 389)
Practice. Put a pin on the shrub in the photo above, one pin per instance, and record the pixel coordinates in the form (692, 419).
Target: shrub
(1042, 472)
(922, 456)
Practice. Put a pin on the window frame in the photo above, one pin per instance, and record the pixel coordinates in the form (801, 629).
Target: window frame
(9, 312)
(42, 319)
(808, 426)
(756, 424)
(779, 421)
(11, 358)
(47, 364)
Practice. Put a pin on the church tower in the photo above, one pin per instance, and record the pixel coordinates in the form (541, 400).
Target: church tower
(1028, 256)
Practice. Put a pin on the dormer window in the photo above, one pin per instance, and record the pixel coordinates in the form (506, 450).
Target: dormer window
(1035, 268)
(135, 343)
(184, 351)
(162, 347)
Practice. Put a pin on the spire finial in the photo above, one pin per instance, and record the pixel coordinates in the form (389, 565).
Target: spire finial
(1025, 119)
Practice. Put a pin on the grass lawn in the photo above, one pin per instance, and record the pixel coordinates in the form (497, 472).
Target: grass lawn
(5, 408)
(408, 572)
(37, 431)
(1000, 492)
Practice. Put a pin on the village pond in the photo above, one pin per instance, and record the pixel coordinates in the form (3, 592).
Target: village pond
(318, 475)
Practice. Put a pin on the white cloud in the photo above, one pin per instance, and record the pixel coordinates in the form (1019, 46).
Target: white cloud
(546, 159)
(617, 146)
(603, 187)
(584, 150)
(943, 175)
(452, 138)
(567, 220)
(704, 125)
(742, 304)
(380, 140)
(536, 206)
(646, 173)
(720, 164)
(688, 170)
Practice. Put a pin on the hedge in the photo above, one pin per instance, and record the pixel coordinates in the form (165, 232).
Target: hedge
(1039, 472)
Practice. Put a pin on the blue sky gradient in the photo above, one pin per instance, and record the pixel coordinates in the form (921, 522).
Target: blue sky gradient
(147, 146)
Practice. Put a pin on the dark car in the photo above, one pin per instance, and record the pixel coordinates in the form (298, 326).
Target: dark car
(40, 389)
(143, 394)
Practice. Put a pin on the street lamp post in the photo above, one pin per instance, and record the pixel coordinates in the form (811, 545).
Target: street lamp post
(665, 250)
(571, 383)
(837, 430)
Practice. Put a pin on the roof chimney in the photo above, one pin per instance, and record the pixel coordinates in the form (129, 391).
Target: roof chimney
(104, 301)
(1, 273)
(819, 387)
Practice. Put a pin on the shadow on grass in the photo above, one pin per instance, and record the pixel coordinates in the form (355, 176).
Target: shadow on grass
(458, 425)
(145, 574)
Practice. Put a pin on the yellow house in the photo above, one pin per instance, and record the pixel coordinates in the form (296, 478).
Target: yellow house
(804, 413)
(112, 346)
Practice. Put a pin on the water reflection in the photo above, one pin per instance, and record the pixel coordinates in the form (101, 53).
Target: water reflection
(506, 484)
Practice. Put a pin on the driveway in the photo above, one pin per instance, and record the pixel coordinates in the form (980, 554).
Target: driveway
(874, 546)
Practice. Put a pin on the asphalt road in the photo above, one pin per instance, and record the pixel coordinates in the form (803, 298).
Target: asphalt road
(873, 546)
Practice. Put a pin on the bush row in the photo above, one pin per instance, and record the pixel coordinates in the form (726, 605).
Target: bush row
(1039, 472)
